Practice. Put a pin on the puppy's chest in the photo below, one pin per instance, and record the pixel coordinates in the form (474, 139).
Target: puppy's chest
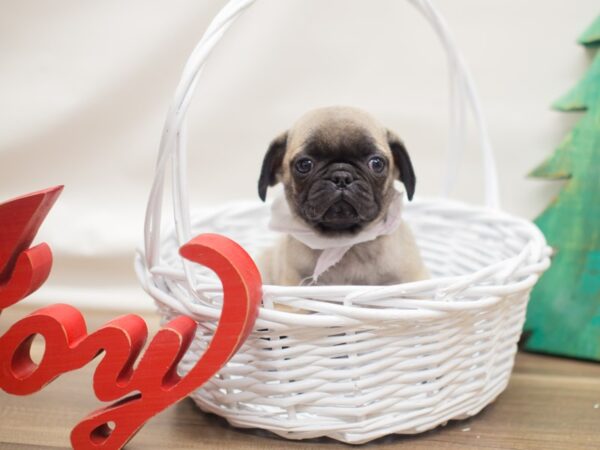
(373, 262)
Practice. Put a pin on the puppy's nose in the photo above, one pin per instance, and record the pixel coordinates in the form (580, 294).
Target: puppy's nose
(342, 178)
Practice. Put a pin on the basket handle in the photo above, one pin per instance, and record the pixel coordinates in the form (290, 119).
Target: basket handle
(463, 99)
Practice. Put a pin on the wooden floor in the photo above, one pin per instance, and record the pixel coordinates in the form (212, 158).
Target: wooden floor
(551, 403)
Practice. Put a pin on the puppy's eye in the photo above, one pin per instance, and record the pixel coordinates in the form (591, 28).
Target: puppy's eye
(377, 164)
(304, 165)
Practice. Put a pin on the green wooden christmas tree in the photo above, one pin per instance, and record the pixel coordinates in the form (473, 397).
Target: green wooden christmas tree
(564, 312)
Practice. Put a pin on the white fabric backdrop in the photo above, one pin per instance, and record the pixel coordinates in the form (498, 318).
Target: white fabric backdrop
(85, 86)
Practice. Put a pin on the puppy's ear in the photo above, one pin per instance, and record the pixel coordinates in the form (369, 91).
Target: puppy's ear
(271, 165)
(402, 161)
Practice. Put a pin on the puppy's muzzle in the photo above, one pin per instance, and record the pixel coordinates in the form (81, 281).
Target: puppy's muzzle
(342, 178)
(341, 174)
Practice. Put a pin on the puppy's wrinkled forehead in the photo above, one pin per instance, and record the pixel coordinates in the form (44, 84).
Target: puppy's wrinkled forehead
(337, 133)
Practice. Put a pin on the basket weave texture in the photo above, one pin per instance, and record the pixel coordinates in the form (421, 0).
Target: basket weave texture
(354, 362)
(368, 361)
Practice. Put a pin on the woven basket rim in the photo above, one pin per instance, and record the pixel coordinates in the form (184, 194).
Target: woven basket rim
(534, 257)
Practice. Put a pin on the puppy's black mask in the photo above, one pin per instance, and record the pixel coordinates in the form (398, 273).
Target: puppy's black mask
(338, 186)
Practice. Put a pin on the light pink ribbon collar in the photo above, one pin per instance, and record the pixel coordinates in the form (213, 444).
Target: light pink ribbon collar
(334, 248)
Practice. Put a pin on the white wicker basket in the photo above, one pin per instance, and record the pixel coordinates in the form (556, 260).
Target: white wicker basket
(369, 360)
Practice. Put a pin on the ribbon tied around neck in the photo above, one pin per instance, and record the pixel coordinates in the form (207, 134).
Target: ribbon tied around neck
(283, 220)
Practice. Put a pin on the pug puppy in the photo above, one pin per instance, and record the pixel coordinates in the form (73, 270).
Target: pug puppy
(338, 166)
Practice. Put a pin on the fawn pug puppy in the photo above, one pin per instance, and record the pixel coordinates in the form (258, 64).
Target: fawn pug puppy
(341, 213)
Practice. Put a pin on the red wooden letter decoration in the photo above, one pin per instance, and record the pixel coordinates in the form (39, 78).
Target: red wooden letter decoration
(24, 269)
(154, 385)
(156, 379)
